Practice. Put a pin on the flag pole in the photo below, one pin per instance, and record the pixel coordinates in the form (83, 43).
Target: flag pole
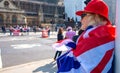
(117, 42)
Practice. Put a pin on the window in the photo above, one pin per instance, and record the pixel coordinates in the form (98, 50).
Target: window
(6, 4)
(1, 18)
(14, 19)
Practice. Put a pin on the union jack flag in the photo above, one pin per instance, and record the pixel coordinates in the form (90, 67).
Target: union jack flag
(64, 45)
(93, 54)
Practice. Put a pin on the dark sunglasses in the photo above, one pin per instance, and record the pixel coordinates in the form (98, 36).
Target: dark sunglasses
(83, 15)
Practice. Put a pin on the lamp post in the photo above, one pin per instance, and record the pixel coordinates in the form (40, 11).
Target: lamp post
(52, 22)
(56, 18)
(86, 2)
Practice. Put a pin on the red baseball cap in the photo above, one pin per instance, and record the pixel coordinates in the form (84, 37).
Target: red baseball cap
(97, 7)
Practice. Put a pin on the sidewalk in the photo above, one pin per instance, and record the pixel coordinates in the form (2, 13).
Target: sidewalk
(44, 66)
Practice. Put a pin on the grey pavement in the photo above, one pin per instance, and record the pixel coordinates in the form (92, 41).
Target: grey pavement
(43, 66)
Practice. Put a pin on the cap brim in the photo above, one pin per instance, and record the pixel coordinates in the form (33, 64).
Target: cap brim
(79, 13)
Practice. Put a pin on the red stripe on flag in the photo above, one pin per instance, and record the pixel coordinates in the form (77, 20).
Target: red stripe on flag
(99, 68)
(96, 38)
(90, 43)
(59, 41)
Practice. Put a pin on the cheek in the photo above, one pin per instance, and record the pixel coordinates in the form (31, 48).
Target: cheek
(85, 21)
(84, 25)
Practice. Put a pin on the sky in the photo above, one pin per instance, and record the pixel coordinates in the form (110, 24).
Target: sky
(71, 6)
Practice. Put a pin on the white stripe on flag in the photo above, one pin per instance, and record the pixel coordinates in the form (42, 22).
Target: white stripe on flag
(92, 57)
(87, 32)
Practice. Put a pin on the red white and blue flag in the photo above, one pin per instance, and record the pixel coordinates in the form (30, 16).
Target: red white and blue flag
(64, 45)
(93, 54)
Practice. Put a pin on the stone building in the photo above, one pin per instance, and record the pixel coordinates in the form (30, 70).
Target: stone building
(20, 12)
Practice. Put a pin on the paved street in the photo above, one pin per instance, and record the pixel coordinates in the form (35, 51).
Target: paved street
(18, 50)
(43, 66)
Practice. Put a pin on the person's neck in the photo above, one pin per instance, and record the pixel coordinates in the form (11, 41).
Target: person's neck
(97, 24)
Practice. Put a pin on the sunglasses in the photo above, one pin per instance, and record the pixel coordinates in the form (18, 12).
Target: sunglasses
(83, 15)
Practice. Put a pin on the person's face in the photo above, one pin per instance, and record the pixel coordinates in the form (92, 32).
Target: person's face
(85, 20)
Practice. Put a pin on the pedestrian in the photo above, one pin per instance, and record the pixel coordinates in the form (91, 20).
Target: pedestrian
(48, 30)
(59, 37)
(76, 36)
(70, 33)
(3, 29)
(95, 47)
(34, 29)
(11, 30)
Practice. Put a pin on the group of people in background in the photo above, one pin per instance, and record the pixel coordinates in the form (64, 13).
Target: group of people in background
(23, 29)
(11, 28)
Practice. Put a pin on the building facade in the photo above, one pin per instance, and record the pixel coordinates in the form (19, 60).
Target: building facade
(21, 12)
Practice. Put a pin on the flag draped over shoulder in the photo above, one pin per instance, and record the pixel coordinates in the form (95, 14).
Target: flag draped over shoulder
(64, 45)
(93, 53)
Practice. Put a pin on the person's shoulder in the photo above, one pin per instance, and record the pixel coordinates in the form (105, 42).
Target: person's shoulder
(102, 31)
